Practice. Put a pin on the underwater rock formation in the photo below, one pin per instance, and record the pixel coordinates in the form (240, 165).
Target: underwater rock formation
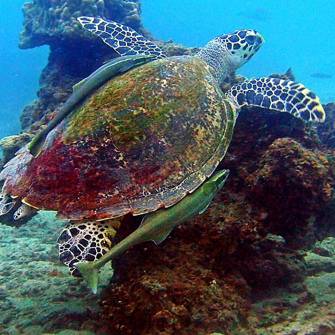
(11, 144)
(48, 22)
(188, 287)
(326, 130)
(292, 182)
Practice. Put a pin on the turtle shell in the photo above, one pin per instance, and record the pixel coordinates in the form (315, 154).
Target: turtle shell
(142, 141)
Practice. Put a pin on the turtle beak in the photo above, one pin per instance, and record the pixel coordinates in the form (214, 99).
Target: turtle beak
(259, 40)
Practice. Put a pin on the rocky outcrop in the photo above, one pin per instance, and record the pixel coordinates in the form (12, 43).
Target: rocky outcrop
(49, 22)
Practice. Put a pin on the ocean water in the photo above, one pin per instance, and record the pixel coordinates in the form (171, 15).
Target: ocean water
(20, 68)
(298, 34)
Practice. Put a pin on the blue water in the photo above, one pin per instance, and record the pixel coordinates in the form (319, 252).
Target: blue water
(298, 34)
(20, 68)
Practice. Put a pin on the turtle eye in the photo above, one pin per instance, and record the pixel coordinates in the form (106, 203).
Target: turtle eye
(250, 39)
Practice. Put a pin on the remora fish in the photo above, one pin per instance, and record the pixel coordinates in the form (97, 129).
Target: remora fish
(82, 89)
(158, 225)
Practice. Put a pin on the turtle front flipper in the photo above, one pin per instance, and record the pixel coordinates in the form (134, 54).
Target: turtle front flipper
(85, 242)
(124, 40)
(278, 94)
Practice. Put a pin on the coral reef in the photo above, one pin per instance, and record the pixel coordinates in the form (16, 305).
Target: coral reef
(49, 22)
(291, 183)
(326, 130)
(11, 144)
(181, 288)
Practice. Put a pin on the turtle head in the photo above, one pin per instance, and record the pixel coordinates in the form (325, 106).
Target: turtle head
(240, 45)
(226, 53)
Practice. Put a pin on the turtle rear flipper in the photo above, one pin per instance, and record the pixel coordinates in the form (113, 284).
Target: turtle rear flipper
(85, 242)
(24, 211)
(278, 94)
(124, 40)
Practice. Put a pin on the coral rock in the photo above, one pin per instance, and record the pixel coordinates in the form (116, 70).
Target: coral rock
(11, 144)
(46, 21)
(290, 184)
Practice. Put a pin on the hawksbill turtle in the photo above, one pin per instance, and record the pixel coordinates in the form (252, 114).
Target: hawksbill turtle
(142, 135)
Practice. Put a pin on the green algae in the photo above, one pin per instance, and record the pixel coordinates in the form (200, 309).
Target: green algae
(135, 104)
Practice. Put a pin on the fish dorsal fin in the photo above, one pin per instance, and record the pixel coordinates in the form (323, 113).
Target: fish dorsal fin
(96, 73)
(160, 236)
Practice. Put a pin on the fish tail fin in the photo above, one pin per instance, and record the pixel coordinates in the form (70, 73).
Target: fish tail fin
(90, 272)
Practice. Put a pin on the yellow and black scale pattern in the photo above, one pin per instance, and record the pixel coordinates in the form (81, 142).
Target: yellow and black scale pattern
(279, 94)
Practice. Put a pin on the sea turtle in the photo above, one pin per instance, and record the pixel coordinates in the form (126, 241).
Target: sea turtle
(143, 132)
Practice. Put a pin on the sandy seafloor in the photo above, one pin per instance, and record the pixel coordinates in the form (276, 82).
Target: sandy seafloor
(37, 293)
(38, 296)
